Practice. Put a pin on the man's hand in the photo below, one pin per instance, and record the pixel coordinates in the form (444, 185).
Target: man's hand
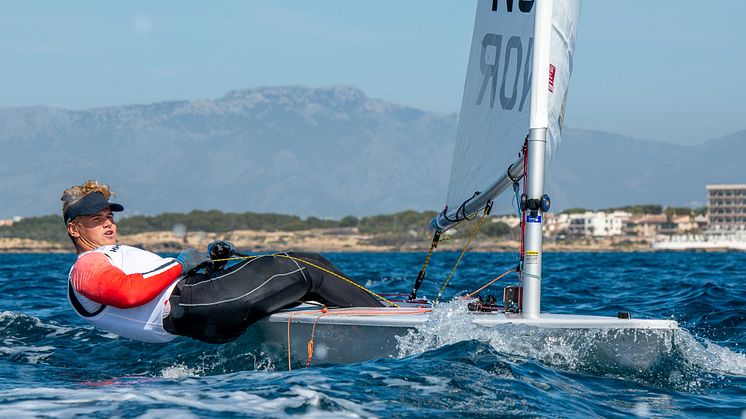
(191, 259)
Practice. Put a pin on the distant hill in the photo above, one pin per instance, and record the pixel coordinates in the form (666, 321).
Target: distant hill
(599, 170)
(324, 152)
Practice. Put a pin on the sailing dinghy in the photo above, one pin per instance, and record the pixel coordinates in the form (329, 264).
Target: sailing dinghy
(510, 124)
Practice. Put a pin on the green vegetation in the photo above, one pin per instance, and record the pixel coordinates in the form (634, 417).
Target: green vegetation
(653, 209)
(494, 229)
(679, 211)
(574, 211)
(648, 209)
(402, 227)
(349, 221)
(214, 221)
(400, 222)
(390, 229)
(48, 227)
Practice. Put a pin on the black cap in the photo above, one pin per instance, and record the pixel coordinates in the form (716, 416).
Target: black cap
(89, 205)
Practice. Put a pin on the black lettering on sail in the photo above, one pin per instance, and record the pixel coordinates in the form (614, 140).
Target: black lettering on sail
(524, 6)
(513, 56)
(489, 70)
(527, 73)
(514, 43)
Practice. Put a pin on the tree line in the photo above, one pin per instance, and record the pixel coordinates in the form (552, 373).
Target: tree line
(645, 209)
(396, 228)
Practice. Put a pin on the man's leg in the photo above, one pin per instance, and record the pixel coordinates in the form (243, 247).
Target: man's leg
(330, 289)
(218, 307)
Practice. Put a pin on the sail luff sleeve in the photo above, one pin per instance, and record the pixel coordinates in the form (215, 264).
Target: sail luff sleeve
(540, 76)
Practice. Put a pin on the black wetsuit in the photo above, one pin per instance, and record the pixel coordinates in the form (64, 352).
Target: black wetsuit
(218, 307)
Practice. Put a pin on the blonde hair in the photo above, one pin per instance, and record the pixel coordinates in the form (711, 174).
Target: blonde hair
(72, 195)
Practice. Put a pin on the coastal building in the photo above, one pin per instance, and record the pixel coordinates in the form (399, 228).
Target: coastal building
(681, 224)
(9, 222)
(645, 225)
(726, 206)
(726, 223)
(556, 224)
(689, 223)
(598, 223)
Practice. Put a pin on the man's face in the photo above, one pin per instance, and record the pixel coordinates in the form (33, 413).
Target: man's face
(98, 228)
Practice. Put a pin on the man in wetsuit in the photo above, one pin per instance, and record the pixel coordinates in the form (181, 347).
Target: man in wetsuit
(140, 295)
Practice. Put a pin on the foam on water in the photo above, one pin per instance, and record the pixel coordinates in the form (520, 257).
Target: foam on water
(709, 356)
(180, 371)
(668, 358)
(184, 399)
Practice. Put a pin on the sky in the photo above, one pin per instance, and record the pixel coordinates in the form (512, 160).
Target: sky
(669, 71)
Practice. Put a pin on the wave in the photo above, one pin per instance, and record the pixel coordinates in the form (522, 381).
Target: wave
(190, 398)
(26, 339)
(676, 360)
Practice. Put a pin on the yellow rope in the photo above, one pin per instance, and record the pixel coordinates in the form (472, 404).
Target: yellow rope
(433, 245)
(468, 242)
(317, 267)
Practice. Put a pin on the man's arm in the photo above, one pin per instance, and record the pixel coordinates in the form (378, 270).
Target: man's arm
(97, 279)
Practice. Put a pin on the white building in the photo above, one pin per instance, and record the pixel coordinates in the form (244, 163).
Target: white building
(10, 221)
(556, 224)
(598, 223)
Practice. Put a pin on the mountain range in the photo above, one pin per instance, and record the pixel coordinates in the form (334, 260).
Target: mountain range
(326, 152)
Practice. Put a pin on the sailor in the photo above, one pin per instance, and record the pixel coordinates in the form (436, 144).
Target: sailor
(140, 295)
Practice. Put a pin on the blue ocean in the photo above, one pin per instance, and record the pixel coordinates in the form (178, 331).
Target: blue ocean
(52, 364)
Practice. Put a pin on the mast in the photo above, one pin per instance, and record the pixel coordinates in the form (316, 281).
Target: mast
(537, 142)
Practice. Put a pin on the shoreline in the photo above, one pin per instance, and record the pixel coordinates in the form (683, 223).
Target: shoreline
(321, 241)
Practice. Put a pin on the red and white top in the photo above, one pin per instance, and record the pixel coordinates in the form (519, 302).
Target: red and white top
(124, 290)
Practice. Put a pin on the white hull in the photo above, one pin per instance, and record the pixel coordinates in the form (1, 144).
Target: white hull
(362, 334)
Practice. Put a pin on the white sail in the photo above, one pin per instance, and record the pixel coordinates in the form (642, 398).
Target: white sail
(496, 110)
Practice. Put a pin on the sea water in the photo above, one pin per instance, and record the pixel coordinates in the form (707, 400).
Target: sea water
(53, 364)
